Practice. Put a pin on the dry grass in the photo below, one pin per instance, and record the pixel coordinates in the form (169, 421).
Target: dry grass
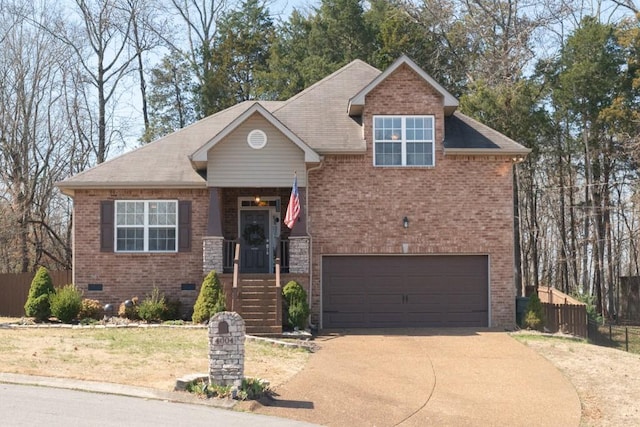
(148, 357)
(606, 379)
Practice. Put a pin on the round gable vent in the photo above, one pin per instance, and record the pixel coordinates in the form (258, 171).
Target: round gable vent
(257, 139)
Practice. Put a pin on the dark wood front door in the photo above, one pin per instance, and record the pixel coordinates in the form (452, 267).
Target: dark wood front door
(254, 241)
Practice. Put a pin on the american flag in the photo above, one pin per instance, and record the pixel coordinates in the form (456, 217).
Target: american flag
(293, 210)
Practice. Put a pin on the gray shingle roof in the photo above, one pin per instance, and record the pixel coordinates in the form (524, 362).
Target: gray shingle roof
(318, 116)
(319, 113)
(464, 135)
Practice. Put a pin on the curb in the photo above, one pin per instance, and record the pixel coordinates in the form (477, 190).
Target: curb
(116, 389)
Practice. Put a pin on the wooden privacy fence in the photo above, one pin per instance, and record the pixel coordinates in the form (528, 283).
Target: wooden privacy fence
(570, 319)
(14, 289)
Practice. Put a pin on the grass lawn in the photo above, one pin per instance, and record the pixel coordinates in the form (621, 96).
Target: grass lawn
(147, 357)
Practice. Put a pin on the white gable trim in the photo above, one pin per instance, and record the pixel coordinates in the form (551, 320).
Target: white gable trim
(310, 156)
(356, 103)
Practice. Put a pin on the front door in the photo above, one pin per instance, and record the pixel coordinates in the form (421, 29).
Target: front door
(254, 241)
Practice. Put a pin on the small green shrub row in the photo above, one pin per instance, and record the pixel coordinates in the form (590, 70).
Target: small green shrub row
(44, 301)
(67, 304)
(251, 389)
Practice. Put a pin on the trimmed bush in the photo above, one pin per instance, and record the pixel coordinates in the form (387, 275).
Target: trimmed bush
(211, 299)
(295, 299)
(66, 303)
(534, 315)
(90, 309)
(38, 304)
(153, 308)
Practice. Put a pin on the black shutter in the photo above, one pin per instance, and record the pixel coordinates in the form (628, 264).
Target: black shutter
(106, 226)
(184, 226)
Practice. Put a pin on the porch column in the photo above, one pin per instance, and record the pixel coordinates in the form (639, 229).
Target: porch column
(213, 242)
(214, 224)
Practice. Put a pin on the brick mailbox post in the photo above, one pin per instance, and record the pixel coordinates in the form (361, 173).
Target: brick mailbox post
(226, 349)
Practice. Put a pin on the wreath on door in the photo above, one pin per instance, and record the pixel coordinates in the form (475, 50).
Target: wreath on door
(253, 234)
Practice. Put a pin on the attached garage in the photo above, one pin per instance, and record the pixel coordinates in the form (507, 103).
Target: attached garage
(405, 291)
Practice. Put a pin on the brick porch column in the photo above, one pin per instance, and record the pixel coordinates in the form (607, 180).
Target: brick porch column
(213, 242)
(299, 254)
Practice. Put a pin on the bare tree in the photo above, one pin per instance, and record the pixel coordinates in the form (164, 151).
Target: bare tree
(32, 134)
(100, 41)
(145, 27)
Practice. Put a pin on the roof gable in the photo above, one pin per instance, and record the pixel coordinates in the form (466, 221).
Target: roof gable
(356, 103)
(199, 157)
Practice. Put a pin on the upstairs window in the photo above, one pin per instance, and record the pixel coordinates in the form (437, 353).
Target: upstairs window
(146, 226)
(403, 141)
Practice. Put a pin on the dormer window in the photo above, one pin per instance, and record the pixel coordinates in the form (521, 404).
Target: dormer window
(403, 141)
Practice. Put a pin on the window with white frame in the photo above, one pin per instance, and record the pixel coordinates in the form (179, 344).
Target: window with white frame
(146, 226)
(403, 141)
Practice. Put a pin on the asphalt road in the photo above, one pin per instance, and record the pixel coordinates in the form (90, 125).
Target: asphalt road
(23, 405)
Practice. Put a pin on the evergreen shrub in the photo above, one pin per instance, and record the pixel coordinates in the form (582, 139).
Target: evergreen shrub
(211, 299)
(66, 303)
(38, 304)
(297, 308)
(534, 315)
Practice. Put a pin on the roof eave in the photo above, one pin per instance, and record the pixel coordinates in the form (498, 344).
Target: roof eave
(520, 153)
(70, 188)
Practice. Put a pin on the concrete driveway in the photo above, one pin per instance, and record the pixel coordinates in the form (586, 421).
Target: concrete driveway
(424, 377)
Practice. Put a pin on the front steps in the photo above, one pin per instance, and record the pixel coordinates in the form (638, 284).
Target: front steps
(257, 302)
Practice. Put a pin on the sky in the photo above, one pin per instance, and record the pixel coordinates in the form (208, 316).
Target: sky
(282, 8)
(129, 104)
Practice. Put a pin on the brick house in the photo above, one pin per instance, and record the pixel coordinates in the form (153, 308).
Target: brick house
(406, 220)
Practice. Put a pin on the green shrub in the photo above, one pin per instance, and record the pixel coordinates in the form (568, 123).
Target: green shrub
(152, 308)
(130, 312)
(90, 309)
(295, 299)
(211, 299)
(66, 303)
(253, 389)
(172, 309)
(38, 304)
(534, 315)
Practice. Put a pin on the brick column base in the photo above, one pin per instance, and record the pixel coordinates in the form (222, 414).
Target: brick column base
(212, 254)
(299, 254)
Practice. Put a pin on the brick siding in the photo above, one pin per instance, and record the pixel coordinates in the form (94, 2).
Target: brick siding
(463, 205)
(124, 276)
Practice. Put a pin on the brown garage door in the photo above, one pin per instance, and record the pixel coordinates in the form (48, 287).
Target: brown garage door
(404, 291)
